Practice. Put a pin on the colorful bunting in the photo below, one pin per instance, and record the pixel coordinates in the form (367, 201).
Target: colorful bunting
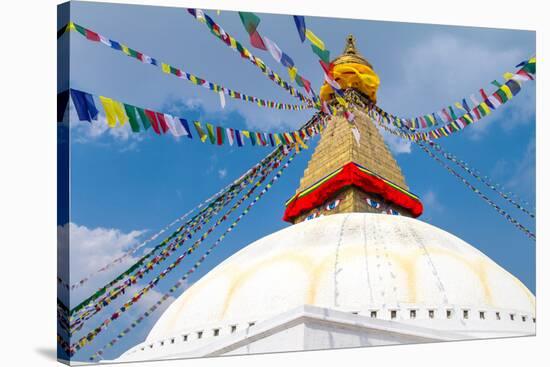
(250, 22)
(163, 123)
(82, 342)
(453, 123)
(485, 198)
(169, 69)
(183, 280)
(219, 32)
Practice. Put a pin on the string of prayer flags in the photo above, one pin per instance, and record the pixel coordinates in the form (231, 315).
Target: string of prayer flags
(447, 118)
(141, 119)
(250, 22)
(319, 49)
(207, 205)
(482, 105)
(231, 42)
(87, 339)
(183, 280)
(485, 198)
(483, 179)
(93, 308)
(181, 74)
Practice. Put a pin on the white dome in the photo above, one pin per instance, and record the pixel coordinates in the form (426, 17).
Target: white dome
(350, 262)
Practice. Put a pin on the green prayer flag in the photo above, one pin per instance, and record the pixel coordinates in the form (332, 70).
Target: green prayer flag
(143, 117)
(453, 115)
(496, 83)
(530, 67)
(323, 54)
(211, 135)
(502, 95)
(132, 118)
(250, 21)
(80, 29)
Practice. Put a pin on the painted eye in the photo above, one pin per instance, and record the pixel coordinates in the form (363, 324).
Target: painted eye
(333, 205)
(312, 216)
(373, 203)
(393, 212)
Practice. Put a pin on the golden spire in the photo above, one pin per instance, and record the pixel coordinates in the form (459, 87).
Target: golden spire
(350, 54)
(351, 71)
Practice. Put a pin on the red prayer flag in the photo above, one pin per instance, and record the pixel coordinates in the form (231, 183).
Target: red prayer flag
(219, 135)
(153, 120)
(92, 36)
(257, 41)
(483, 94)
(162, 122)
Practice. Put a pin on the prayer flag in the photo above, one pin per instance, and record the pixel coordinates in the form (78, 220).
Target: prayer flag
(257, 41)
(273, 49)
(314, 39)
(211, 135)
(132, 117)
(185, 126)
(162, 123)
(200, 131)
(250, 21)
(300, 26)
(84, 105)
(144, 119)
(323, 54)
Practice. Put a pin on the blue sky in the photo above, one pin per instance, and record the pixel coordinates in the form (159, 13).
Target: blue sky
(126, 186)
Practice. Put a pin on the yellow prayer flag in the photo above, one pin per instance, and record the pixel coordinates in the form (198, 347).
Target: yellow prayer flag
(508, 76)
(507, 90)
(314, 39)
(299, 140)
(485, 108)
(277, 139)
(246, 133)
(292, 73)
(120, 113)
(458, 105)
(166, 69)
(110, 113)
(233, 42)
(71, 27)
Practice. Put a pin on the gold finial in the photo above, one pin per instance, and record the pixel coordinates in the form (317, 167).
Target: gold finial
(350, 48)
(351, 54)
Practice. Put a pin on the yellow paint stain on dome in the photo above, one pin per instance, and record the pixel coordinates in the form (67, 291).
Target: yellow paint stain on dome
(239, 279)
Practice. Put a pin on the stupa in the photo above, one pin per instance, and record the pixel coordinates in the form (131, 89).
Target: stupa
(356, 268)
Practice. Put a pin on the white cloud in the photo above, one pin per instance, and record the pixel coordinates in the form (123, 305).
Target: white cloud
(396, 144)
(85, 132)
(88, 249)
(444, 69)
(432, 205)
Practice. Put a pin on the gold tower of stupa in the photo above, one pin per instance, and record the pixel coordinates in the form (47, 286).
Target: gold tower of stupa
(351, 171)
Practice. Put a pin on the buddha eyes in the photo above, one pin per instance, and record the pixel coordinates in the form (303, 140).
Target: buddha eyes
(332, 205)
(373, 203)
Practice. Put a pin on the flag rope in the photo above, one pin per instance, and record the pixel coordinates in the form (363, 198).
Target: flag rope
(484, 179)
(93, 308)
(485, 198)
(166, 68)
(85, 340)
(183, 279)
(451, 123)
(118, 113)
(231, 42)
